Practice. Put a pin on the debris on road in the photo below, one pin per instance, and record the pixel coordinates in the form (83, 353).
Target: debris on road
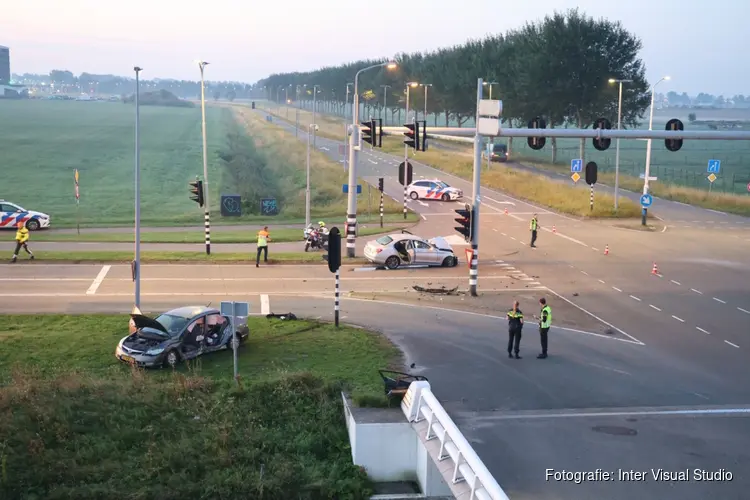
(439, 291)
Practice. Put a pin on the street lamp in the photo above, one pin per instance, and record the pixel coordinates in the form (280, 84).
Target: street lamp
(385, 102)
(648, 149)
(315, 95)
(619, 127)
(490, 140)
(406, 146)
(310, 127)
(206, 217)
(425, 85)
(137, 261)
(351, 215)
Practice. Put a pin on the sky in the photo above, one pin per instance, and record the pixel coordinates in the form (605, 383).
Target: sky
(702, 47)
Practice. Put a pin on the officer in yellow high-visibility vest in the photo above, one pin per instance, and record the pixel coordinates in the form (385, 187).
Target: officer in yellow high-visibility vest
(263, 238)
(22, 238)
(515, 328)
(545, 322)
(533, 226)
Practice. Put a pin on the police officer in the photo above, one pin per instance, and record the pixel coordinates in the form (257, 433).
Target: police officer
(515, 325)
(545, 322)
(533, 226)
(263, 238)
(22, 238)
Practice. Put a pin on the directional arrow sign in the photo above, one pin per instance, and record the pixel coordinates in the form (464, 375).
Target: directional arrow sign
(646, 200)
(714, 166)
(576, 165)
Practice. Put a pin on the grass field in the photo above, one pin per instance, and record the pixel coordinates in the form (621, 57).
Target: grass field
(224, 236)
(160, 257)
(76, 423)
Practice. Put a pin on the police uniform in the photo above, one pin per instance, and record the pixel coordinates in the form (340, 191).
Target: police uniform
(263, 237)
(515, 326)
(544, 325)
(533, 226)
(22, 237)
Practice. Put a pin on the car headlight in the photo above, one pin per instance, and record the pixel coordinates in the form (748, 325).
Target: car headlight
(155, 351)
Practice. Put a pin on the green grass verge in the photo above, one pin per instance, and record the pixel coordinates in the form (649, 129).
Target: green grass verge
(281, 235)
(199, 257)
(75, 423)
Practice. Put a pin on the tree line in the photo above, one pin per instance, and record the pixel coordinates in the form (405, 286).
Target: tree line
(557, 68)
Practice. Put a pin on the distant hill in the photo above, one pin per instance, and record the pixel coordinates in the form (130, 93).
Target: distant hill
(159, 98)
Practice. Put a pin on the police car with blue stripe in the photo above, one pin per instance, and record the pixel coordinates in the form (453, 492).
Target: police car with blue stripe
(433, 189)
(11, 214)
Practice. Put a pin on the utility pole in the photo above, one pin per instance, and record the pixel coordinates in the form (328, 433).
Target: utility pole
(315, 96)
(473, 268)
(385, 103)
(206, 215)
(137, 262)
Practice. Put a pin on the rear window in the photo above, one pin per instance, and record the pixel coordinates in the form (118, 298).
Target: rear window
(500, 148)
(384, 240)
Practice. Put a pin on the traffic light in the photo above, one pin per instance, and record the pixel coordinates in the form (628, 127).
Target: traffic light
(380, 184)
(674, 144)
(369, 133)
(602, 144)
(466, 220)
(196, 191)
(537, 143)
(412, 135)
(424, 135)
(591, 173)
(334, 250)
(380, 133)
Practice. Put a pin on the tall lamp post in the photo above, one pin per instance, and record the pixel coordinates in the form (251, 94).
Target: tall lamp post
(137, 262)
(351, 215)
(406, 146)
(490, 140)
(619, 127)
(206, 215)
(425, 99)
(648, 149)
(315, 95)
(385, 103)
(310, 129)
(296, 114)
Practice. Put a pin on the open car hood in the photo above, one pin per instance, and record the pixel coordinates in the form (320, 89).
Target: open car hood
(139, 321)
(441, 243)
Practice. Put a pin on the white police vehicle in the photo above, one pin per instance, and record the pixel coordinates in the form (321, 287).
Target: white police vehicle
(433, 189)
(11, 214)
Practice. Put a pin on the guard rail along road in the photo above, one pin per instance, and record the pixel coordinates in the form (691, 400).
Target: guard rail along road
(459, 465)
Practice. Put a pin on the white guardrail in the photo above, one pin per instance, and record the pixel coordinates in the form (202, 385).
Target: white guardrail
(420, 404)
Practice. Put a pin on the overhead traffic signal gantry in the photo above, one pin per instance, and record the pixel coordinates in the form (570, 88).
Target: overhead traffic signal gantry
(465, 220)
(412, 135)
(196, 191)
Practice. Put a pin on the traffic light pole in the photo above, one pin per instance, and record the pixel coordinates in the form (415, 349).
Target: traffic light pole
(474, 267)
(137, 260)
(206, 215)
(381, 209)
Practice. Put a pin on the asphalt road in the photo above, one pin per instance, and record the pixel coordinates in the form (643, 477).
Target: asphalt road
(601, 401)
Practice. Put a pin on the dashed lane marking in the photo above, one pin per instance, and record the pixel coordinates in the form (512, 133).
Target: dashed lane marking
(617, 289)
(676, 282)
(719, 300)
(743, 310)
(654, 307)
(696, 291)
(635, 298)
(678, 319)
(702, 330)
(733, 345)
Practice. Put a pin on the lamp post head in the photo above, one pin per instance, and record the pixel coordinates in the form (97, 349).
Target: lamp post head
(391, 65)
(612, 80)
(412, 84)
(667, 78)
(137, 69)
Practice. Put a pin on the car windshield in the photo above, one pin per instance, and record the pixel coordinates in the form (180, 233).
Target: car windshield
(442, 184)
(499, 148)
(173, 324)
(384, 240)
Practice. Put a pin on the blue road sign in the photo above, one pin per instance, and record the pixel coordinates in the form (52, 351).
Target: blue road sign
(345, 188)
(714, 166)
(646, 200)
(576, 165)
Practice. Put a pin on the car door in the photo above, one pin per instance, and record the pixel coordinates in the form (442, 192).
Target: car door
(192, 338)
(7, 215)
(424, 253)
(411, 251)
(217, 325)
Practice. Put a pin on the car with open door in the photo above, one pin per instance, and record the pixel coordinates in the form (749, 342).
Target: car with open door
(178, 335)
(402, 250)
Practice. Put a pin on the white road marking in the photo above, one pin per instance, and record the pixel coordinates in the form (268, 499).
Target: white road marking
(512, 238)
(702, 330)
(423, 217)
(617, 289)
(635, 298)
(584, 272)
(423, 203)
(45, 279)
(633, 339)
(743, 310)
(678, 319)
(594, 249)
(675, 282)
(98, 280)
(522, 242)
(719, 300)
(504, 234)
(664, 230)
(696, 291)
(608, 368)
(733, 345)
(265, 307)
(567, 238)
(373, 162)
(494, 229)
(601, 281)
(516, 217)
(654, 307)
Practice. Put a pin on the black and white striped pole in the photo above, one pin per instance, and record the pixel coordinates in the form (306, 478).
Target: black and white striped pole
(381, 189)
(405, 201)
(591, 198)
(334, 263)
(336, 300)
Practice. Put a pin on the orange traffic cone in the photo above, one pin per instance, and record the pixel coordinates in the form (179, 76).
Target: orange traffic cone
(506, 210)
(554, 229)
(606, 249)
(655, 270)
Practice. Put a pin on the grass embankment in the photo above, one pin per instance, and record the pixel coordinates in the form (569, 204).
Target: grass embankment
(45, 141)
(159, 257)
(76, 423)
(725, 202)
(329, 126)
(282, 235)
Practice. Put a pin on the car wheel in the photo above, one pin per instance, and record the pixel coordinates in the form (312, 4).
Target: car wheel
(172, 359)
(449, 261)
(413, 195)
(307, 246)
(445, 197)
(392, 262)
(32, 225)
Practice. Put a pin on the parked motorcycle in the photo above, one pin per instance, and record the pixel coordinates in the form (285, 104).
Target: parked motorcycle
(315, 239)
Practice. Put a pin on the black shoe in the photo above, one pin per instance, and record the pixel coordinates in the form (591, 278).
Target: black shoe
(518, 357)
(541, 356)
(31, 257)
(257, 265)
(510, 355)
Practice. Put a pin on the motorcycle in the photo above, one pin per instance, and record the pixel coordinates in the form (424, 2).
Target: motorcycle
(315, 239)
